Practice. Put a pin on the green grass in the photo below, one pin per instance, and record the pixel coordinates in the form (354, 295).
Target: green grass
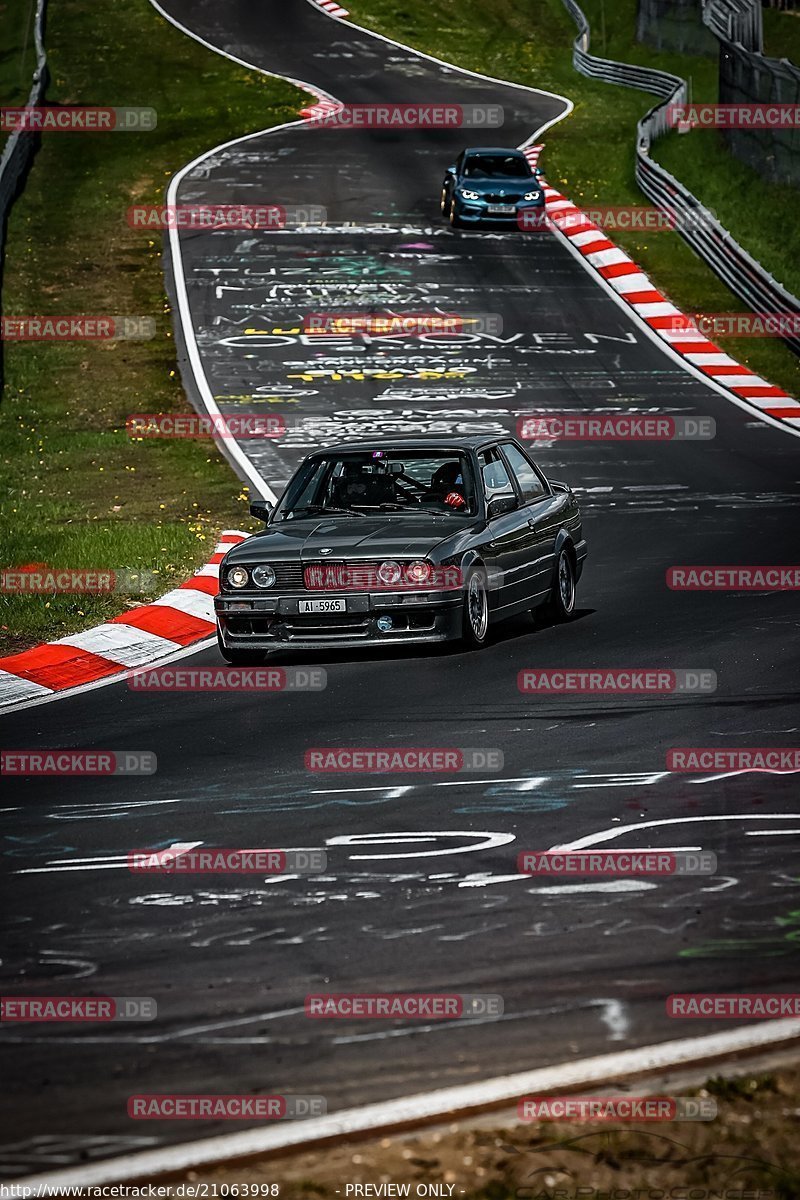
(590, 155)
(18, 51)
(782, 34)
(76, 491)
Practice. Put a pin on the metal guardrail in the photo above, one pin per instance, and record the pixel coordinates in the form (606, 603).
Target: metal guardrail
(711, 241)
(19, 148)
(736, 21)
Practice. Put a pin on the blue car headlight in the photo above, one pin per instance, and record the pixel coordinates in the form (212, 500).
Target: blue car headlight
(468, 195)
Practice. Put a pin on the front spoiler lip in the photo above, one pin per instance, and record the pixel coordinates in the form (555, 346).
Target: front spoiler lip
(384, 643)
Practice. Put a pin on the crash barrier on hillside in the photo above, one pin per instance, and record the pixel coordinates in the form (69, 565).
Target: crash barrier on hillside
(713, 243)
(735, 21)
(19, 148)
(747, 77)
(733, 32)
(674, 25)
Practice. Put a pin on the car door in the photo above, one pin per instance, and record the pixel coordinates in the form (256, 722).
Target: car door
(508, 535)
(543, 513)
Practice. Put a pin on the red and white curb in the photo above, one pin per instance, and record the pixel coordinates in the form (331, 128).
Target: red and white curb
(637, 291)
(322, 108)
(135, 638)
(332, 7)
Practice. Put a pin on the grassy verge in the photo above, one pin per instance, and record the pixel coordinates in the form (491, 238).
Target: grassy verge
(76, 491)
(782, 34)
(17, 52)
(591, 153)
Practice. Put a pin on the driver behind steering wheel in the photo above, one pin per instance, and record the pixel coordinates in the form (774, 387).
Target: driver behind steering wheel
(447, 485)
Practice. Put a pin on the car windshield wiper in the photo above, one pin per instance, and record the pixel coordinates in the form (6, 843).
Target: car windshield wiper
(324, 508)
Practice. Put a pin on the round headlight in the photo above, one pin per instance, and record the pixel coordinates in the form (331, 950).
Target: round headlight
(531, 196)
(263, 576)
(418, 572)
(389, 572)
(470, 195)
(237, 577)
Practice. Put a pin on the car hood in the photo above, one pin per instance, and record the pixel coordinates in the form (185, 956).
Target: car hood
(367, 537)
(501, 187)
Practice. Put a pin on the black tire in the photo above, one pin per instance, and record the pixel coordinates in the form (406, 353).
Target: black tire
(561, 605)
(240, 658)
(475, 622)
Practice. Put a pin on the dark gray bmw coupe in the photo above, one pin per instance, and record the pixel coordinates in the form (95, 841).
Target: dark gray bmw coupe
(392, 541)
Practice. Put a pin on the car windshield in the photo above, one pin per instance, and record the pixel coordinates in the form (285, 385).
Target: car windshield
(377, 481)
(496, 166)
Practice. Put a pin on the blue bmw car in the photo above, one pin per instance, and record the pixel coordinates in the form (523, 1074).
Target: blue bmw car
(492, 184)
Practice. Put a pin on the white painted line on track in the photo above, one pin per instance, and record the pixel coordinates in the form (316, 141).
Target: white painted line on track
(373, 1120)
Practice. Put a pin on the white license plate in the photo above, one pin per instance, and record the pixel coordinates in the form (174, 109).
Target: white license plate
(502, 210)
(323, 606)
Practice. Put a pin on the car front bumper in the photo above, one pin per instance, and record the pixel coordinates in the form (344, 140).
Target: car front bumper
(475, 211)
(275, 622)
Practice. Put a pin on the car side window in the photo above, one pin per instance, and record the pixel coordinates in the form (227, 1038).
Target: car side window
(527, 477)
(496, 481)
(459, 163)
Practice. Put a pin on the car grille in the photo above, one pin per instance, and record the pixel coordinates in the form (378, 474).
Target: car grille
(288, 577)
(512, 198)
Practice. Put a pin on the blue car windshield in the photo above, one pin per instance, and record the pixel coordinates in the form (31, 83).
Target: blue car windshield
(496, 166)
(372, 481)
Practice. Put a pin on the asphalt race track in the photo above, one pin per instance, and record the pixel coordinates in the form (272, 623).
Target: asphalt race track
(421, 891)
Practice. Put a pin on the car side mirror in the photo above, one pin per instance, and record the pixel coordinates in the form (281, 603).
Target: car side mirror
(262, 510)
(538, 172)
(500, 505)
(451, 170)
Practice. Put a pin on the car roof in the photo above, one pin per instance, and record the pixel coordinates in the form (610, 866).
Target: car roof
(495, 150)
(471, 441)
